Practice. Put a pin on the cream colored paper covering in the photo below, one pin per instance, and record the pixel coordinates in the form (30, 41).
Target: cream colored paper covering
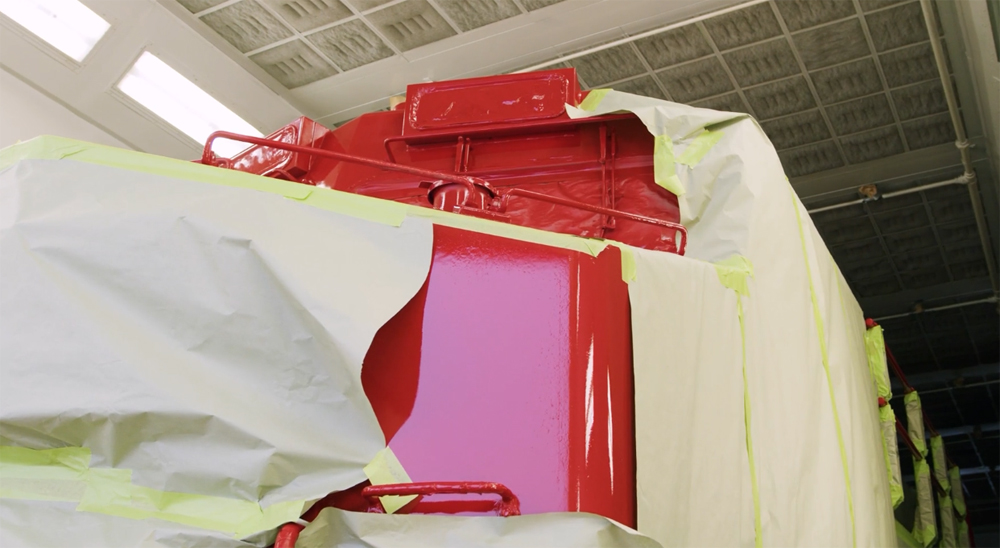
(810, 402)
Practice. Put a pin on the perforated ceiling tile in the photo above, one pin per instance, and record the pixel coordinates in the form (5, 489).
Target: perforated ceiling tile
(832, 44)
(609, 65)
(902, 220)
(797, 129)
(847, 81)
(909, 65)
(872, 269)
(643, 85)
(365, 5)
(952, 210)
(674, 46)
(194, 6)
(293, 64)
(910, 240)
(472, 14)
(958, 233)
(532, 5)
(810, 159)
(800, 14)
(411, 24)
(897, 27)
(969, 270)
(872, 145)
(860, 114)
(930, 131)
(848, 230)
(729, 102)
(923, 278)
(883, 286)
(350, 45)
(964, 252)
(306, 15)
(247, 25)
(746, 26)
(695, 80)
(762, 62)
(860, 250)
(920, 259)
(919, 100)
(779, 98)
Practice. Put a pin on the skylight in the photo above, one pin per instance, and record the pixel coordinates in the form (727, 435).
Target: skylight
(171, 96)
(67, 25)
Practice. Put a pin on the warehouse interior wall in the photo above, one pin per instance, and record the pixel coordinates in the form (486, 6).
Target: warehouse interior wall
(26, 112)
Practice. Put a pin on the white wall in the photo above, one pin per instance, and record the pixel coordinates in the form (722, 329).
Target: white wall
(25, 113)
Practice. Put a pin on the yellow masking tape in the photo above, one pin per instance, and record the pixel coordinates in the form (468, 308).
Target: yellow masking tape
(733, 273)
(755, 491)
(906, 537)
(875, 347)
(818, 319)
(914, 414)
(955, 480)
(699, 147)
(664, 169)
(363, 207)
(628, 264)
(111, 491)
(887, 418)
(593, 99)
(385, 468)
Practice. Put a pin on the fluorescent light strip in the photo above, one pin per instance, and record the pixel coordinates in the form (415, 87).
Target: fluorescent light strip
(171, 96)
(67, 25)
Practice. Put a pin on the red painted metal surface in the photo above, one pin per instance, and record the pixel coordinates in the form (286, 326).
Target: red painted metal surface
(507, 505)
(512, 365)
(511, 131)
(510, 371)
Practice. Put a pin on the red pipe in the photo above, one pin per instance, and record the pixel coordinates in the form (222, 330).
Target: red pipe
(597, 209)
(509, 505)
(209, 158)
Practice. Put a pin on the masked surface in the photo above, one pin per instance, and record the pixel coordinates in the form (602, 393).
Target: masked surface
(196, 339)
(336, 528)
(807, 417)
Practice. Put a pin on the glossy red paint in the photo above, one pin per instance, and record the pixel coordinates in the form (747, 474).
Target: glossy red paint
(521, 374)
(511, 131)
(507, 505)
(513, 364)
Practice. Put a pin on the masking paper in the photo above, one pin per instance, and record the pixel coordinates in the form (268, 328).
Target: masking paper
(757, 420)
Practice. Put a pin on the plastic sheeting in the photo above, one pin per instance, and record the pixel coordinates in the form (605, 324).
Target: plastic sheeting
(196, 339)
(775, 375)
(946, 509)
(335, 528)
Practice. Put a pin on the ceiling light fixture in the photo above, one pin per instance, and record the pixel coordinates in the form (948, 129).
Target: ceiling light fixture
(184, 105)
(67, 25)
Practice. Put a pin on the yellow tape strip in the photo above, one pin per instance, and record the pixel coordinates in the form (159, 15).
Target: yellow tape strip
(593, 99)
(64, 474)
(628, 264)
(758, 535)
(664, 168)
(699, 147)
(733, 273)
(905, 536)
(818, 318)
(386, 468)
(875, 348)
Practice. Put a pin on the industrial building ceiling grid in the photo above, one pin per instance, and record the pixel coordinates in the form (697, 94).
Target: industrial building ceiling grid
(832, 82)
(302, 41)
